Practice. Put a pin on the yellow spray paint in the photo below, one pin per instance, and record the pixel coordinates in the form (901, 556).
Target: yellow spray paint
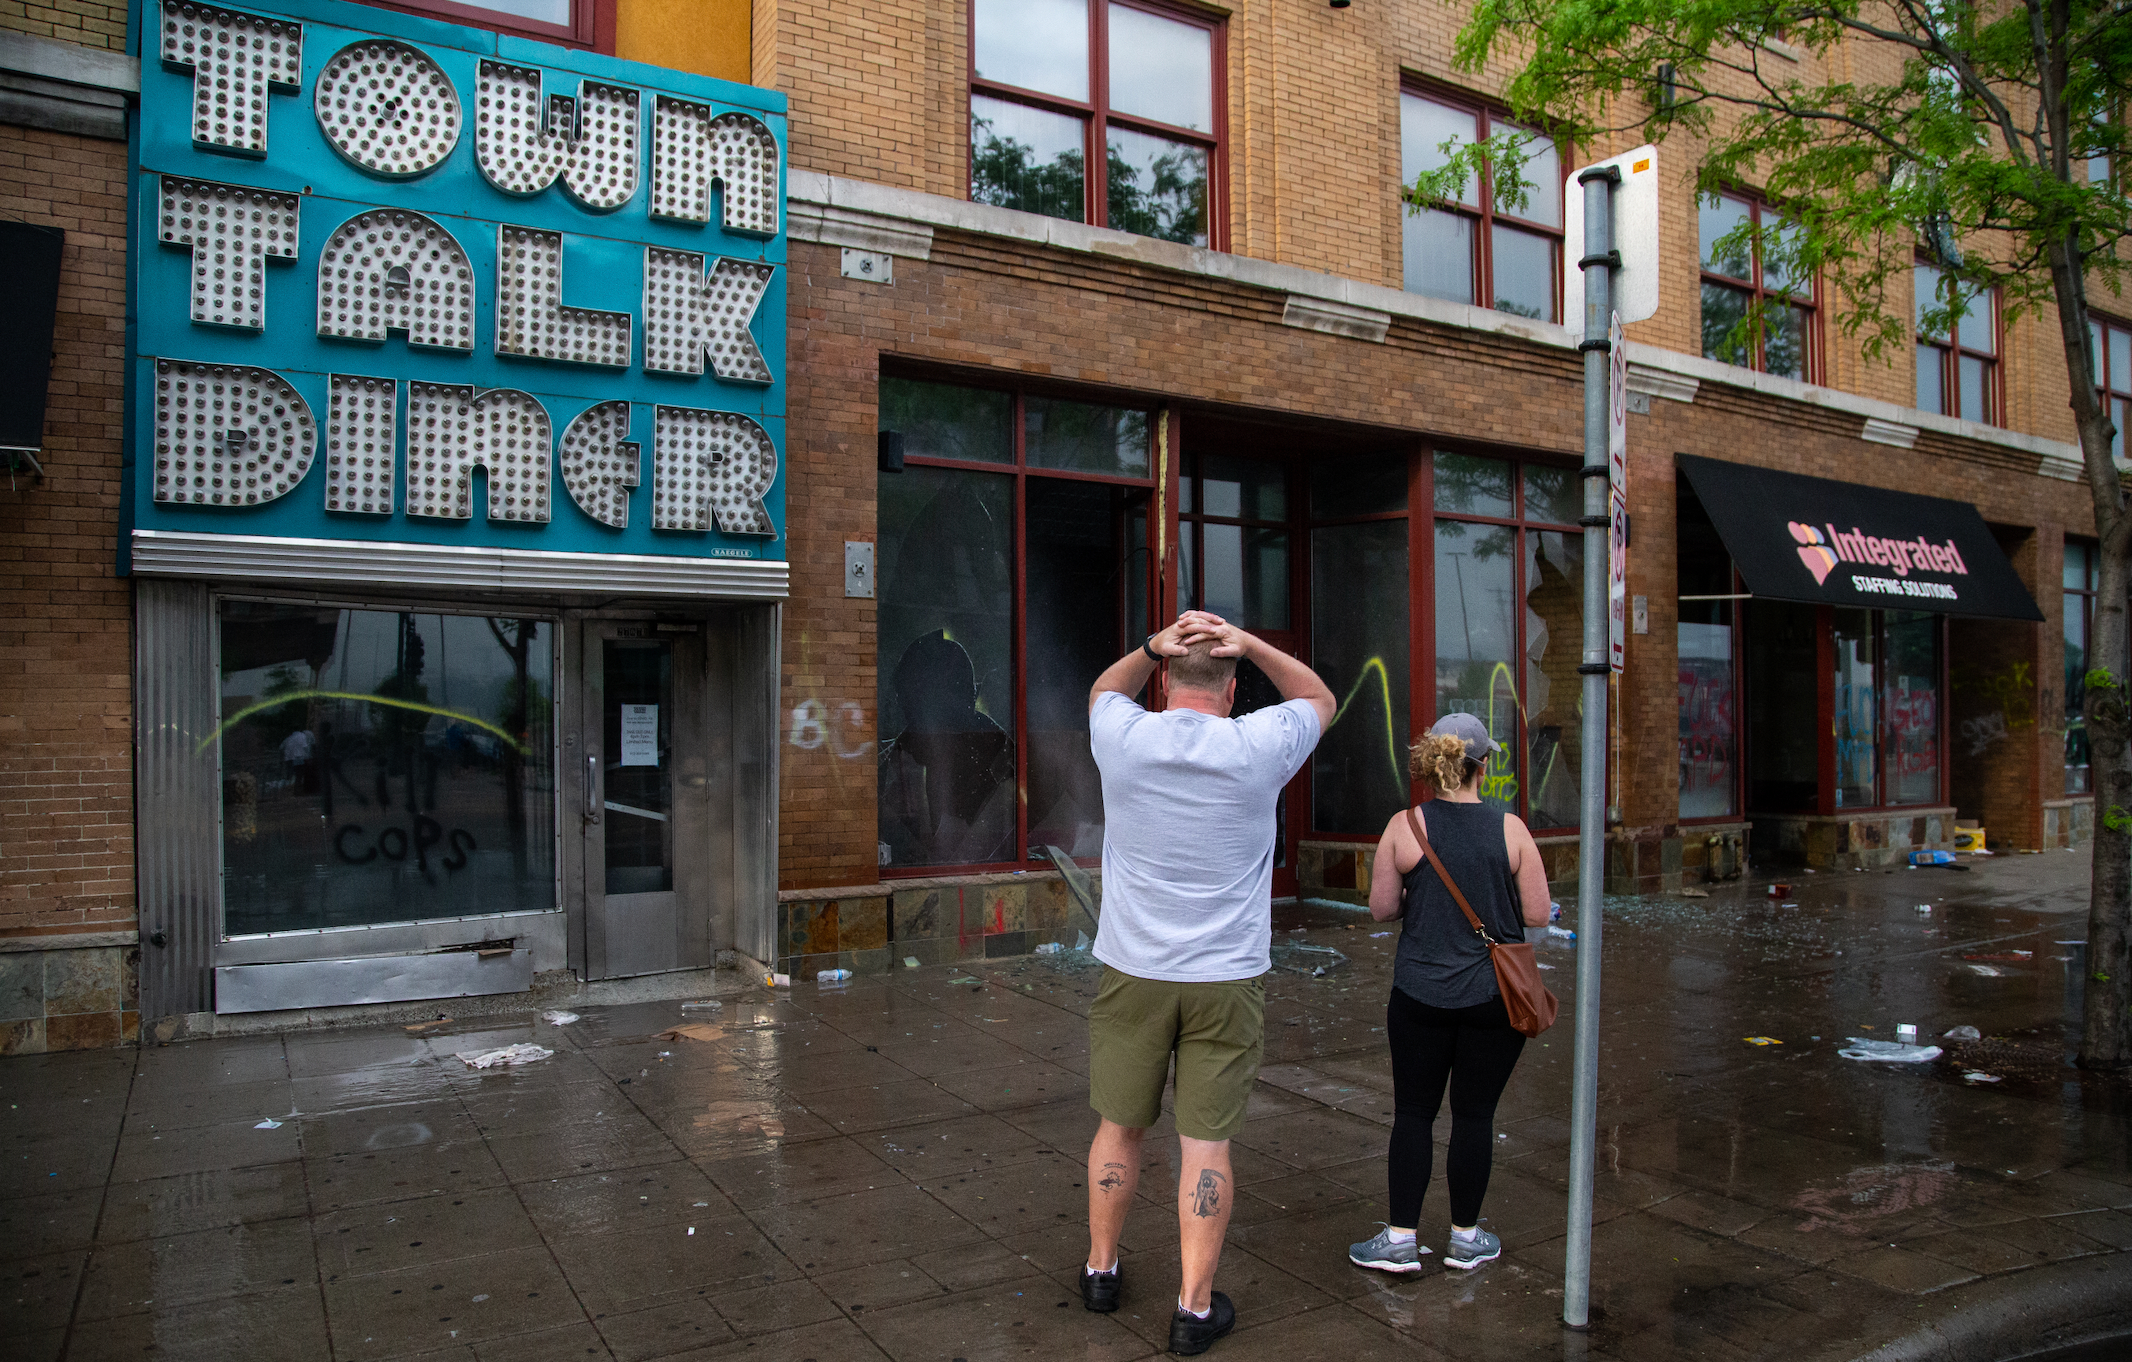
(291, 697)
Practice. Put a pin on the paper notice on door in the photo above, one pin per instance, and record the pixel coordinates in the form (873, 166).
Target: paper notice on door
(640, 735)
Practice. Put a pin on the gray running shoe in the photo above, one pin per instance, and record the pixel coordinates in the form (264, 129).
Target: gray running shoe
(1386, 1254)
(1471, 1253)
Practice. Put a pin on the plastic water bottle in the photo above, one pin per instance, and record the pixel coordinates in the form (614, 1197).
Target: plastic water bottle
(832, 976)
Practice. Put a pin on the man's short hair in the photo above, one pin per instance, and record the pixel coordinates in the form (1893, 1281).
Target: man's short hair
(1199, 669)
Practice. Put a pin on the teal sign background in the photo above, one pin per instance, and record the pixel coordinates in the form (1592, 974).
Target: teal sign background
(603, 268)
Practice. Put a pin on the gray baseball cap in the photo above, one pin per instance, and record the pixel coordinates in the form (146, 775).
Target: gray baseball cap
(1469, 730)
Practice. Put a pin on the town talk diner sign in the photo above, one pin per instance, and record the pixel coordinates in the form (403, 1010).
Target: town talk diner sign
(427, 284)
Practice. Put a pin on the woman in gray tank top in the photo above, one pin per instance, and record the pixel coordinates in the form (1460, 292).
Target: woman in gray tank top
(1445, 1020)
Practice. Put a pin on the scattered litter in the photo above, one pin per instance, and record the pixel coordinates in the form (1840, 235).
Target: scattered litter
(910, 962)
(1888, 1051)
(774, 980)
(1963, 1033)
(1049, 947)
(1990, 971)
(1554, 912)
(508, 1055)
(693, 1031)
(1924, 907)
(832, 976)
(1547, 967)
(1780, 891)
(1081, 941)
(692, 1229)
(1375, 935)
(707, 1005)
(558, 1018)
(1563, 932)
(1300, 958)
(1695, 893)
(268, 1124)
(1977, 1076)
(1932, 858)
(1906, 1033)
(1762, 1040)
(2005, 957)
(420, 1027)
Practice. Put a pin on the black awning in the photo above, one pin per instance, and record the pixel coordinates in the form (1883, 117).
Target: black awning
(1796, 538)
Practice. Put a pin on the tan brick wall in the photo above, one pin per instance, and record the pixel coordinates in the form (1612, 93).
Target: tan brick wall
(74, 21)
(66, 792)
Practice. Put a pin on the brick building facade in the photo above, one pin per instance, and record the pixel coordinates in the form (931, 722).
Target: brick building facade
(1285, 338)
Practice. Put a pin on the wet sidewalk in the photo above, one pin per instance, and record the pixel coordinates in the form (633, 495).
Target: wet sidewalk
(893, 1168)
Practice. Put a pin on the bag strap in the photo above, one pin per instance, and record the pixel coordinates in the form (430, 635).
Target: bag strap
(1429, 855)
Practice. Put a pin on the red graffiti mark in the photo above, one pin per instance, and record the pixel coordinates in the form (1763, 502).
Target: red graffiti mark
(1868, 1194)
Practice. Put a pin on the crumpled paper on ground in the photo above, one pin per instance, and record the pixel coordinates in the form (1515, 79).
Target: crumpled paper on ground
(1889, 1051)
(509, 1054)
(558, 1018)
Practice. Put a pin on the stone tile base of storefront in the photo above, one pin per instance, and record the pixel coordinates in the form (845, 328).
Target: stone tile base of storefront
(2069, 822)
(69, 992)
(1847, 841)
(872, 929)
(1638, 861)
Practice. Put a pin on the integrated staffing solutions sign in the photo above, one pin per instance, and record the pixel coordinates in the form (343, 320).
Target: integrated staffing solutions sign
(423, 284)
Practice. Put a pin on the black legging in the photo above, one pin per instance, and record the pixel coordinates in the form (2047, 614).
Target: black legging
(1474, 1050)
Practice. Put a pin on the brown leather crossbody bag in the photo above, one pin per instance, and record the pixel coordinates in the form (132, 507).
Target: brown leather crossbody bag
(1531, 1007)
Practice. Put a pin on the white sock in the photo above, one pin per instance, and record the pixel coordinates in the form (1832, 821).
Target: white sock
(1465, 1236)
(1400, 1236)
(1184, 1309)
(1112, 1268)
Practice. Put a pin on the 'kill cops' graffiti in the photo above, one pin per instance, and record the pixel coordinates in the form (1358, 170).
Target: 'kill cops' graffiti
(394, 283)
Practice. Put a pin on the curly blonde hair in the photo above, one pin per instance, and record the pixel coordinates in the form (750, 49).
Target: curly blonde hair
(1439, 761)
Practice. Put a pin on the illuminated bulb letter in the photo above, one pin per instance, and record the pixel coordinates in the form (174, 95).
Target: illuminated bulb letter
(232, 231)
(531, 320)
(237, 59)
(362, 429)
(690, 148)
(395, 271)
(523, 143)
(707, 463)
(387, 108)
(228, 435)
(450, 432)
(600, 462)
(687, 316)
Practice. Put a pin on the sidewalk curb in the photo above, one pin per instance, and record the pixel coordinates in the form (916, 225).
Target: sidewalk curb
(2011, 1316)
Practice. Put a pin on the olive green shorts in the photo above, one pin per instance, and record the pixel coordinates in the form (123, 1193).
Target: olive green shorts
(1217, 1032)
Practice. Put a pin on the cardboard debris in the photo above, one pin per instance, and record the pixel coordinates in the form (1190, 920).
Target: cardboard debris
(420, 1028)
(694, 1031)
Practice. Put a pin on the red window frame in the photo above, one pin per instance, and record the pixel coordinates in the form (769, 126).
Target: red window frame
(1096, 113)
(1486, 117)
(592, 22)
(2113, 388)
(1951, 353)
(1160, 485)
(1808, 302)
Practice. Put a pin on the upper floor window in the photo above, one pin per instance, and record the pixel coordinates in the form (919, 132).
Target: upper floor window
(1958, 367)
(2113, 375)
(1741, 272)
(581, 23)
(1053, 81)
(1480, 250)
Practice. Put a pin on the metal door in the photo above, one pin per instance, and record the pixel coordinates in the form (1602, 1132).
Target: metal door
(643, 783)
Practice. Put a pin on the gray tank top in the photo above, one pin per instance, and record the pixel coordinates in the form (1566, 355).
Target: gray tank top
(1441, 962)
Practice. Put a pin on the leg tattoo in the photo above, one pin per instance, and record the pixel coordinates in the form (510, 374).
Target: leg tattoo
(1113, 1177)
(1206, 1197)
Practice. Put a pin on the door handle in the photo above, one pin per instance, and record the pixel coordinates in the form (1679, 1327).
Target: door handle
(592, 787)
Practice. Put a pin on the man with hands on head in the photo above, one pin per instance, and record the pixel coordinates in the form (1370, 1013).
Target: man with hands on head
(1188, 838)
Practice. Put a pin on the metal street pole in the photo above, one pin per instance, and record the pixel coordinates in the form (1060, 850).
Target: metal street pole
(1598, 262)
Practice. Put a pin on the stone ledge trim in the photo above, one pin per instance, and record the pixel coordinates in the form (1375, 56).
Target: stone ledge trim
(1654, 382)
(859, 231)
(1336, 319)
(68, 941)
(98, 69)
(1881, 432)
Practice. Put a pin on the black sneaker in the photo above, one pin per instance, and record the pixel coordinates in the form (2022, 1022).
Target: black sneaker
(1099, 1290)
(1190, 1335)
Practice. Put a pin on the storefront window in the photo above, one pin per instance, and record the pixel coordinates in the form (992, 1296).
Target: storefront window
(1234, 536)
(2079, 627)
(1910, 688)
(972, 710)
(1857, 752)
(1709, 685)
(1514, 668)
(383, 766)
(1359, 639)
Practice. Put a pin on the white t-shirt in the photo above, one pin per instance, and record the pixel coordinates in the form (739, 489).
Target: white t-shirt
(1188, 834)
